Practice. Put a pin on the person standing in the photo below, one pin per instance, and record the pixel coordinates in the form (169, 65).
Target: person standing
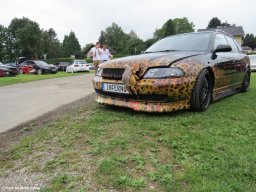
(95, 53)
(105, 54)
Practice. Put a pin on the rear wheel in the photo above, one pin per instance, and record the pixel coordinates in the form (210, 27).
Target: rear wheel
(246, 81)
(202, 92)
(39, 72)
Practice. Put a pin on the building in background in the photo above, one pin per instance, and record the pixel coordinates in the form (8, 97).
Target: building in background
(236, 31)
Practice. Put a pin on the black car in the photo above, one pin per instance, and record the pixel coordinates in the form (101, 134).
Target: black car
(62, 65)
(7, 71)
(36, 67)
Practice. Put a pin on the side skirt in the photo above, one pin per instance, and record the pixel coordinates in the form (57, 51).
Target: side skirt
(226, 91)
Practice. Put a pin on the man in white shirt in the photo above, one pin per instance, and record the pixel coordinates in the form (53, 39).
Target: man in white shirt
(105, 54)
(95, 53)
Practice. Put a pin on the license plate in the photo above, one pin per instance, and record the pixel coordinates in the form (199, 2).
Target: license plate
(115, 88)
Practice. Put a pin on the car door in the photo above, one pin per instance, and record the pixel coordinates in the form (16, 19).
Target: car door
(25, 67)
(31, 67)
(238, 62)
(224, 64)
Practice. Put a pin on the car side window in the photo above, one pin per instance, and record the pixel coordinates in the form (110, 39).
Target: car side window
(219, 40)
(238, 46)
(232, 44)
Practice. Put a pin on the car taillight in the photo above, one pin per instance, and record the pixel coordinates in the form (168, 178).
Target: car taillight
(87, 65)
(76, 65)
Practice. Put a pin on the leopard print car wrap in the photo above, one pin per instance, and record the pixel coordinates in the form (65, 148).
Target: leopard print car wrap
(144, 106)
(178, 90)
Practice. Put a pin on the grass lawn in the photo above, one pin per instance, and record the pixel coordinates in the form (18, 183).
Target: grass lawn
(99, 148)
(31, 77)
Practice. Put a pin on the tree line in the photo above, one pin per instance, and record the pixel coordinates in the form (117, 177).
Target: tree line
(23, 37)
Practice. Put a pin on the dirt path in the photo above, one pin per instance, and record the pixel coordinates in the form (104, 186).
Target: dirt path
(20, 103)
(14, 134)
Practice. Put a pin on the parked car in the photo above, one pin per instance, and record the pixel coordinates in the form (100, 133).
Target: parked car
(62, 66)
(7, 71)
(253, 62)
(77, 66)
(12, 64)
(177, 72)
(36, 67)
(91, 66)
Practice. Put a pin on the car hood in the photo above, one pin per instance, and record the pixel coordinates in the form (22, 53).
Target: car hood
(147, 60)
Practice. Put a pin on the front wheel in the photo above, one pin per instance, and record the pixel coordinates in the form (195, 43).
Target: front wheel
(202, 92)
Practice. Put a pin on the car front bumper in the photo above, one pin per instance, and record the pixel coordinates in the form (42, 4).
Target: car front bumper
(154, 95)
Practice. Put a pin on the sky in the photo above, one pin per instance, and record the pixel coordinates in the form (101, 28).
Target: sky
(88, 17)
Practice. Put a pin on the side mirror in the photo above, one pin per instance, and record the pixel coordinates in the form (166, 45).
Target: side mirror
(221, 48)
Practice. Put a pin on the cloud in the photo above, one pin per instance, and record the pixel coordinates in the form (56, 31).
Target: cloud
(88, 17)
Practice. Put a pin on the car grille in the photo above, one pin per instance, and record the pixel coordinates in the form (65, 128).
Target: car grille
(112, 73)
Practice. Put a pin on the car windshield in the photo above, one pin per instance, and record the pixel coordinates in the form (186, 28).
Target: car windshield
(80, 62)
(183, 42)
(41, 63)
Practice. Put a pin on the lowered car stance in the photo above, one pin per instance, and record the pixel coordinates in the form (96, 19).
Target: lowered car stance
(185, 71)
(36, 67)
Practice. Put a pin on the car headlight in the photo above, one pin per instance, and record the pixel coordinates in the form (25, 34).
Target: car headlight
(99, 72)
(163, 73)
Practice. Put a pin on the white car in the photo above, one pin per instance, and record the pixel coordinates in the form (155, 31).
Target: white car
(253, 62)
(78, 65)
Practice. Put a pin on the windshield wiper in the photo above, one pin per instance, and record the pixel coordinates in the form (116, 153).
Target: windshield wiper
(167, 50)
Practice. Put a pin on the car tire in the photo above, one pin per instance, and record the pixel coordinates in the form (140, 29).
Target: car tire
(202, 92)
(21, 71)
(246, 81)
(39, 72)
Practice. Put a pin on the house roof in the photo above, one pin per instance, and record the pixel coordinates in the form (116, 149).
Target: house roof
(232, 30)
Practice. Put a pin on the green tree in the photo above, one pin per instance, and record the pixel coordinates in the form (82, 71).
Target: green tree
(135, 45)
(250, 41)
(167, 29)
(3, 40)
(214, 23)
(225, 24)
(116, 38)
(71, 46)
(25, 37)
(182, 25)
(102, 38)
(149, 42)
(50, 44)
